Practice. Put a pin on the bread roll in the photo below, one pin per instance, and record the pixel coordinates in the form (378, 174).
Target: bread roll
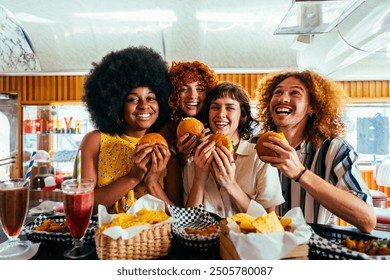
(264, 151)
(222, 140)
(192, 126)
(153, 138)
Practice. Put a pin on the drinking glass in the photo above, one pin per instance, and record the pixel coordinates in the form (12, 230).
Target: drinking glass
(14, 199)
(78, 204)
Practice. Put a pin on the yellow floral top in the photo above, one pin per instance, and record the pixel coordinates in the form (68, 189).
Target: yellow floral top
(115, 161)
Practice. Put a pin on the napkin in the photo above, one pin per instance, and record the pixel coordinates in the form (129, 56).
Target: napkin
(148, 201)
(270, 246)
(46, 206)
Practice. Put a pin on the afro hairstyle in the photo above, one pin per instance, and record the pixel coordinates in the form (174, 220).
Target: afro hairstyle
(111, 80)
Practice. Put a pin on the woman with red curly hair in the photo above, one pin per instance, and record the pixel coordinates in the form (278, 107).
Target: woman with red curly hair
(190, 82)
(318, 168)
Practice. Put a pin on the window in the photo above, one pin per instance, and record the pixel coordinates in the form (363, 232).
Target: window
(368, 130)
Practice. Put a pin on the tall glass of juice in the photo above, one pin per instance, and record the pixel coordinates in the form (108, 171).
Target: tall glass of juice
(14, 199)
(78, 204)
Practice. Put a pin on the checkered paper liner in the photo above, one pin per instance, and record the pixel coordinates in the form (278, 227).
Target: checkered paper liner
(59, 238)
(323, 248)
(194, 218)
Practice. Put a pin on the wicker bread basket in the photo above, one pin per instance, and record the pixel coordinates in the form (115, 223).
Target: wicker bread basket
(148, 244)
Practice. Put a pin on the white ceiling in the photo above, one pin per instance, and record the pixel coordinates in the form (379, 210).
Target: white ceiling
(67, 36)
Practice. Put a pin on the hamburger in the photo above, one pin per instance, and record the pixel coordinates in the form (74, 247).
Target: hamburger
(192, 126)
(153, 138)
(264, 151)
(222, 140)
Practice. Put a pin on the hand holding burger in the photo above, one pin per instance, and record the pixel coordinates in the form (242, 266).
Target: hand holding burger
(222, 140)
(264, 151)
(191, 126)
(189, 132)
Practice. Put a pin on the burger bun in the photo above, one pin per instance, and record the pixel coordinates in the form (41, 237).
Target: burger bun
(222, 140)
(153, 138)
(264, 151)
(191, 126)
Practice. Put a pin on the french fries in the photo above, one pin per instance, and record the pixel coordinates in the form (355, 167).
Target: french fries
(52, 226)
(205, 231)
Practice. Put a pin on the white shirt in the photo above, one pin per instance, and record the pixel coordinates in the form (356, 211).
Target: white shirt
(260, 181)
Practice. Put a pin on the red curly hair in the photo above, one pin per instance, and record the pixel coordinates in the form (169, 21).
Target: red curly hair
(326, 98)
(181, 73)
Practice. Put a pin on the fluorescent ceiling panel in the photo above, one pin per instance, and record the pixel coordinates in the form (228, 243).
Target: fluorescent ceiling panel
(314, 17)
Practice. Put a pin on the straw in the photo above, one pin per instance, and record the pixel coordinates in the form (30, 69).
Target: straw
(30, 167)
(79, 168)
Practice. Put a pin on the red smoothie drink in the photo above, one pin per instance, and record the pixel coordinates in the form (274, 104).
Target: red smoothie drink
(78, 210)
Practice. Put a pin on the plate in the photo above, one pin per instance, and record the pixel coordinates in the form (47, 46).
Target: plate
(58, 238)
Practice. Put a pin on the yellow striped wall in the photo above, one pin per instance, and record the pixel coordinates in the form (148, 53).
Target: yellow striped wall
(47, 89)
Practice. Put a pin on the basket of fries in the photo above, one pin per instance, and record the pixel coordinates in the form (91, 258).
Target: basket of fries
(148, 244)
(195, 229)
(139, 234)
(54, 229)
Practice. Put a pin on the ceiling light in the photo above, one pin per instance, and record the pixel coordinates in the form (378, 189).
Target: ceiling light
(314, 17)
(136, 16)
(226, 17)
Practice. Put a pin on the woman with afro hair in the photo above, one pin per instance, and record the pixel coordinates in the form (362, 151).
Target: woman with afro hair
(126, 95)
(318, 168)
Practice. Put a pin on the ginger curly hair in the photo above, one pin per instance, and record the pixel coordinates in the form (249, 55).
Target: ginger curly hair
(181, 73)
(326, 98)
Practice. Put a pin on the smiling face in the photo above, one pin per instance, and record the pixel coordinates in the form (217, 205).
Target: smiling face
(224, 117)
(191, 98)
(289, 105)
(140, 111)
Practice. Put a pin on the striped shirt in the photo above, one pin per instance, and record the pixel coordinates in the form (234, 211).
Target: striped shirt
(336, 162)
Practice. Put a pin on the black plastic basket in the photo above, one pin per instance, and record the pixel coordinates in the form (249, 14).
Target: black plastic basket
(325, 243)
(195, 218)
(197, 250)
(57, 238)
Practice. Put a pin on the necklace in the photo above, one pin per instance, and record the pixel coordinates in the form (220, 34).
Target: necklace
(235, 146)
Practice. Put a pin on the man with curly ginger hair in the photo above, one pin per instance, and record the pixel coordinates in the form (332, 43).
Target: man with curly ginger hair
(126, 95)
(318, 168)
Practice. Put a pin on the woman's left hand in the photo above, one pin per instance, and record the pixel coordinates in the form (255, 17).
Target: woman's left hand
(223, 167)
(158, 163)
